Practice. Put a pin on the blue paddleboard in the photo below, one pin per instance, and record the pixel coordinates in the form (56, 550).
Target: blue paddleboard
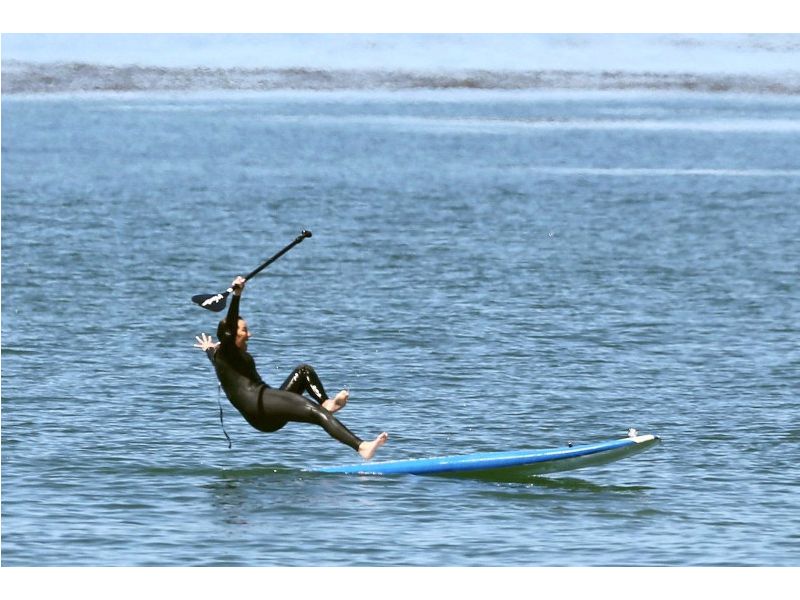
(518, 462)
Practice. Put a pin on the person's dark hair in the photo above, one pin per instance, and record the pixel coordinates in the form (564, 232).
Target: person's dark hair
(223, 330)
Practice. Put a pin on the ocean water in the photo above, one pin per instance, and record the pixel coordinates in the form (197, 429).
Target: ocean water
(488, 271)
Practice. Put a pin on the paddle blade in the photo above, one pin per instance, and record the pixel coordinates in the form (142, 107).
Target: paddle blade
(212, 302)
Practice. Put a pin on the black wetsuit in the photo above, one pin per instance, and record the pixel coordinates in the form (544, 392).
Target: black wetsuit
(265, 408)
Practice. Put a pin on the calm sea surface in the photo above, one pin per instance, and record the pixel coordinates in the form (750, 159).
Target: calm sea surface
(488, 271)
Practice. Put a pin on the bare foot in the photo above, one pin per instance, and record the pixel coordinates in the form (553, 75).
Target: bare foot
(367, 449)
(337, 402)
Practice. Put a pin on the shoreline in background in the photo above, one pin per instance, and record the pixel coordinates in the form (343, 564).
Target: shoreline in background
(20, 77)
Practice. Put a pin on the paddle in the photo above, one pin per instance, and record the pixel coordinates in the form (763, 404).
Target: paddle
(216, 302)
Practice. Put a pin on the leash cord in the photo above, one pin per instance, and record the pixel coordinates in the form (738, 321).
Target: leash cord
(221, 422)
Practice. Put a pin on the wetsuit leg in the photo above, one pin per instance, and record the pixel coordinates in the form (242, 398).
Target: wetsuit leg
(281, 406)
(304, 379)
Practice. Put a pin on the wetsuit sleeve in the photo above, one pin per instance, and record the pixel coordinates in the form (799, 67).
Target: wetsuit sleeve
(227, 335)
(210, 354)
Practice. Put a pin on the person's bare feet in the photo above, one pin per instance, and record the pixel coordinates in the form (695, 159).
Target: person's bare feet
(337, 402)
(367, 449)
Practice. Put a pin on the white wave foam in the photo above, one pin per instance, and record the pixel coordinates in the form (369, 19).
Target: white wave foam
(699, 53)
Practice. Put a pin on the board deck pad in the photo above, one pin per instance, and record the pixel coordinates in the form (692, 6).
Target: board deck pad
(518, 463)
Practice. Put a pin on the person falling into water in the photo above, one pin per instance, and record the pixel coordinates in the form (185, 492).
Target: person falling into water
(268, 409)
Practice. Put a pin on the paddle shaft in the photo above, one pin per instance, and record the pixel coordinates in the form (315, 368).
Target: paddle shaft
(303, 235)
(216, 302)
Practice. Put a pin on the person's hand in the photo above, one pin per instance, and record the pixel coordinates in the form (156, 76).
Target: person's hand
(238, 285)
(205, 342)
